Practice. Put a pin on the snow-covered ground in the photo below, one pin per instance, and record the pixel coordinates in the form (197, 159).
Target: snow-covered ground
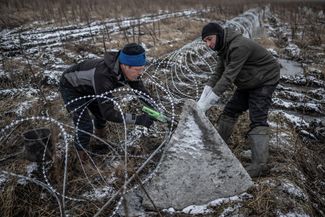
(32, 39)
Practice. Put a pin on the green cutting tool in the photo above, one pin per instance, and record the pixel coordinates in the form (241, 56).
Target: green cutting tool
(156, 115)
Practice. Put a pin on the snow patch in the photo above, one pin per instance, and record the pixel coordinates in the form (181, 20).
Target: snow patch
(52, 77)
(292, 214)
(269, 182)
(293, 119)
(293, 190)
(220, 201)
(207, 208)
(191, 143)
(30, 168)
(293, 50)
(169, 210)
(230, 210)
(303, 106)
(273, 52)
(23, 108)
(281, 140)
(28, 92)
(3, 180)
(52, 96)
(195, 210)
(99, 193)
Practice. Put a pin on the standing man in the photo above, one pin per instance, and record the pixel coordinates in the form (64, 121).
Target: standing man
(95, 77)
(256, 74)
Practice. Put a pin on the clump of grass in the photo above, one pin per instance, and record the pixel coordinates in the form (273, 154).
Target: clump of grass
(264, 201)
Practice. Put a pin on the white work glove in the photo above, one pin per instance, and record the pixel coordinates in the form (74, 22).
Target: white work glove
(205, 91)
(209, 100)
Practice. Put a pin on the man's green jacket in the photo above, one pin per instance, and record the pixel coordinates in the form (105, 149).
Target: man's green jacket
(243, 62)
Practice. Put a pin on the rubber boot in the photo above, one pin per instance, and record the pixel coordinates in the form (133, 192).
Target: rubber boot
(83, 156)
(258, 138)
(98, 146)
(225, 126)
(101, 133)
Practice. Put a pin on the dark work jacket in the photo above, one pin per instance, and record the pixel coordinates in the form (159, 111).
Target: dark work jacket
(97, 76)
(244, 63)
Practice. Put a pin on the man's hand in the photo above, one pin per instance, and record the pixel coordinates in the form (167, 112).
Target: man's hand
(210, 99)
(205, 91)
(143, 120)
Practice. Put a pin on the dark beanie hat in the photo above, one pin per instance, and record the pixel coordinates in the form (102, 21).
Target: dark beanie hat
(214, 29)
(133, 55)
(211, 29)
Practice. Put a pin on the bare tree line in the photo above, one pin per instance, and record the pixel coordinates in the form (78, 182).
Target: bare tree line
(14, 13)
(17, 12)
(303, 14)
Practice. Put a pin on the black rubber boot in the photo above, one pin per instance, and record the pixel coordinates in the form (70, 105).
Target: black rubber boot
(225, 126)
(101, 133)
(259, 138)
(98, 146)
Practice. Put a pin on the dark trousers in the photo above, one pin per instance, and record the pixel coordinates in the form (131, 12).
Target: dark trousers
(258, 101)
(79, 110)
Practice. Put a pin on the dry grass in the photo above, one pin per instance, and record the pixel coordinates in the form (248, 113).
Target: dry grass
(19, 73)
(263, 203)
(310, 158)
(266, 42)
(185, 31)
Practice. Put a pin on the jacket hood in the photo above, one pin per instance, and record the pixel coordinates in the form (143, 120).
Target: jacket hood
(230, 34)
(111, 61)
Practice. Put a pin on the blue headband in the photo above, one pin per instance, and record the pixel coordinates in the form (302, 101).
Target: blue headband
(132, 60)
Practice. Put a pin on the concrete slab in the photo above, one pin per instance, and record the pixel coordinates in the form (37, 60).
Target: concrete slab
(197, 167)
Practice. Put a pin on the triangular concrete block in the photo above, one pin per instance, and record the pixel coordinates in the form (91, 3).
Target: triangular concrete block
(196, 168)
